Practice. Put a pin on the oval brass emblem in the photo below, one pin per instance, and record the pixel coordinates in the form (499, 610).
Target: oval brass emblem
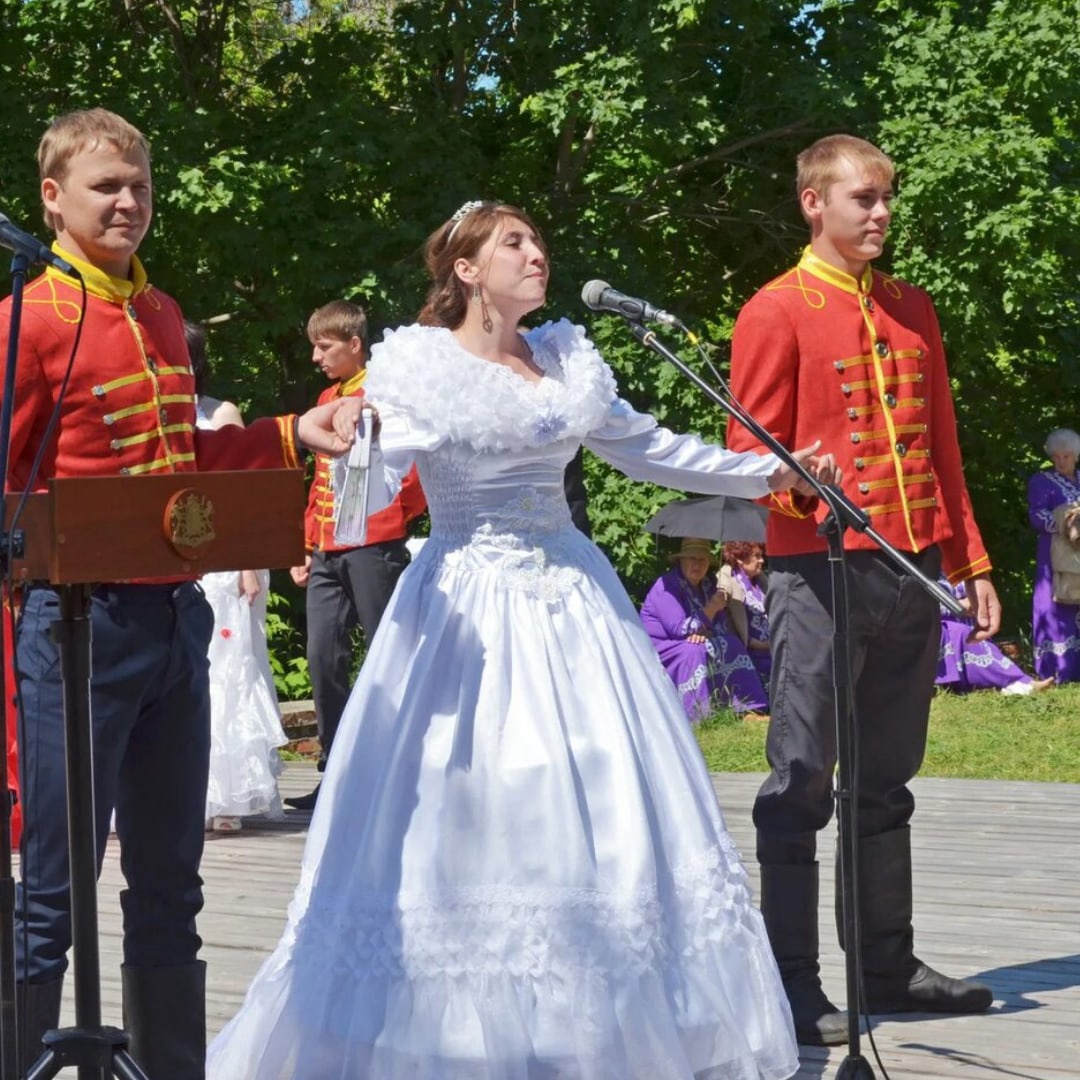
(189, 523)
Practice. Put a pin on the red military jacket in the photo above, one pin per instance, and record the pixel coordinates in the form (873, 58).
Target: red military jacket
(860, 365)
(390, 523)
(129, 404)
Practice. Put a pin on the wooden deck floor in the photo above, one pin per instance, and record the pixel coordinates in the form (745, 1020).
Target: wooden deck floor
(997, 896)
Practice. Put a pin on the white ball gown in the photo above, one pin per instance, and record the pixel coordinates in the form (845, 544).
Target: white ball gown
(517, 869)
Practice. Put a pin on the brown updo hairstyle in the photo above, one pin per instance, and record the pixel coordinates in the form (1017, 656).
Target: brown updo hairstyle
(738, 551)
(448, 297)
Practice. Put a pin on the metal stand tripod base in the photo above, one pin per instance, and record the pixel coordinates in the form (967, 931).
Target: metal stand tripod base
(99, 1051)
(855, 1068)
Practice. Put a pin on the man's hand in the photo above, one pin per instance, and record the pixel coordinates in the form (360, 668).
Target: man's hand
(985, 607)
(300, 574)
(323, 430)
(824, 469)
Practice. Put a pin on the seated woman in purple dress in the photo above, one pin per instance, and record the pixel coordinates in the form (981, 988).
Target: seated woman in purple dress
(1055, 627)
(744, 560)
(705, 659)
(977, 665)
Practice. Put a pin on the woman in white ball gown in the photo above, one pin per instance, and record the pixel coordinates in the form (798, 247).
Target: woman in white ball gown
(517, 869)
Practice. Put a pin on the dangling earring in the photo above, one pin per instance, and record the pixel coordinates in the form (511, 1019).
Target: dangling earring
(485, 315)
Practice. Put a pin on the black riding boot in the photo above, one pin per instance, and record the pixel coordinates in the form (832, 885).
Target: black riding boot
(789, 904)
(165, 1015)
(896, 980)
(40, 1004)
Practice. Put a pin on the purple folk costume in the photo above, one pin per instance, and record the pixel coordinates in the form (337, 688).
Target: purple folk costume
(974, 665)
(1055, 627)
(757, 621)
(716, 671)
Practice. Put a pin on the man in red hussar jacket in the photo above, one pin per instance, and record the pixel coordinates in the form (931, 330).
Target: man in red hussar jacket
(128, 409)
(835, 350)
(347, 586)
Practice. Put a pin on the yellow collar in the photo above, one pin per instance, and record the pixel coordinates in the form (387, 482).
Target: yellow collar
(353, 383)
(834, 275)
(98, 283)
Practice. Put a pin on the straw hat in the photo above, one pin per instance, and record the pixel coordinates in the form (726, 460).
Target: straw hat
(692, 548)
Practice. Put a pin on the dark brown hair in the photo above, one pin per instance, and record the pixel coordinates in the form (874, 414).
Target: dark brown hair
(447, 298)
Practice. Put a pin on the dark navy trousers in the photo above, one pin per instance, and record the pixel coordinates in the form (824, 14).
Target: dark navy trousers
(150, 716)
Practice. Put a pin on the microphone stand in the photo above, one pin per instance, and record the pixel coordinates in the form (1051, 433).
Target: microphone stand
(843, 514)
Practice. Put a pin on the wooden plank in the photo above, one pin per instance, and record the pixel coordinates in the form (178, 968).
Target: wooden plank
(997, 897)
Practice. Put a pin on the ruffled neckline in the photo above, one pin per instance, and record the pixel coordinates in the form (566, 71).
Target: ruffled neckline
(427, 374)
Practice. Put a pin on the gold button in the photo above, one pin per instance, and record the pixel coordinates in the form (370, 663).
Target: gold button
(901, 449)
(882, 349)
(859, 463)
(856, 437)
(890, 400)
(852, 414)
(864, 489)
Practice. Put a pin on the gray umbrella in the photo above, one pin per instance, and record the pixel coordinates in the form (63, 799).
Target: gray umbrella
(715, 517)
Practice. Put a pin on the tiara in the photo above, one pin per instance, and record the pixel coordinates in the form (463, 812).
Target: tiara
(461, 213)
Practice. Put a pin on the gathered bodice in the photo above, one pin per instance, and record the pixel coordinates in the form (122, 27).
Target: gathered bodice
(504, 513)
(519, 492)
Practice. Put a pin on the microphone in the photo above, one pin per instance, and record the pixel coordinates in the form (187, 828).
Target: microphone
(22, 243)
(600, 296)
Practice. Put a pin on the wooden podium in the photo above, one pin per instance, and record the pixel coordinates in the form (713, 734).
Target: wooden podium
(91, 530)
(123, 528)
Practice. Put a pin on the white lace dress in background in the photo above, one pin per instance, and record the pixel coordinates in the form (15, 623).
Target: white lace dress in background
(245, 721)
(517, 869)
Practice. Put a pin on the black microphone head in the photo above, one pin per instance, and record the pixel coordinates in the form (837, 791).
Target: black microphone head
(592, 293)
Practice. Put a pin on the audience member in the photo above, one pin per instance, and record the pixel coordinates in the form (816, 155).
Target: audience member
(684, 615)
(744, 567)
(1055, 626)
(965, 665)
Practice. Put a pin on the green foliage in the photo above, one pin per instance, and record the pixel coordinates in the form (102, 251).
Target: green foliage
(982, 735)
(303, 152)
(286, 646)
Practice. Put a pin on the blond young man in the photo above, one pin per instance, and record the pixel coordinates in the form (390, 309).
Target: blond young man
(128, 409)
(835, 350)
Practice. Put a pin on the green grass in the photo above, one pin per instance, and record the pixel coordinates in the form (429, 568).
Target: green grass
(984, 735)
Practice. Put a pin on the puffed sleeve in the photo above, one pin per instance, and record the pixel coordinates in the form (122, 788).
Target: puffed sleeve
(393, 454)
